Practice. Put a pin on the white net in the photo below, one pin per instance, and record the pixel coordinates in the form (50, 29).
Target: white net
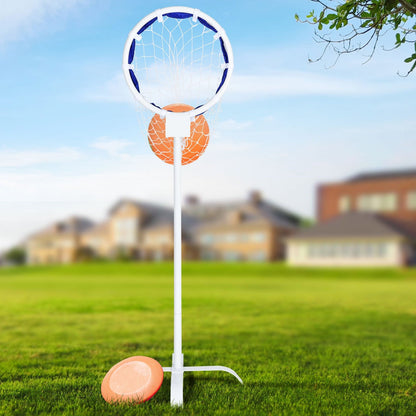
(177, 64)
(177, 61)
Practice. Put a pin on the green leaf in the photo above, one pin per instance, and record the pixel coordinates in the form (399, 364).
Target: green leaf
(331, 16)
(365, 23)
(412, 68)
(297, 17)
(398, 39)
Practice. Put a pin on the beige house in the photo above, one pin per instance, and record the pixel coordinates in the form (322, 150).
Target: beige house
(58, 243)
(251, 230)
(353, 239)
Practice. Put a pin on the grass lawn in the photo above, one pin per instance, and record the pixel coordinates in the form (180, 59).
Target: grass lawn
(305, 342)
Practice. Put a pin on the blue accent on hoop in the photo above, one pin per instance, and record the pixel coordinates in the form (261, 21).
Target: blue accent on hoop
(131, 52)
(146, 25)
(156, 105)
(224, 76)
(134, 80)
(224, 52)
(178, 15)
(206, 24)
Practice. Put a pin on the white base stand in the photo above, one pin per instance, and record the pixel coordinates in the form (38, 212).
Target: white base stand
(178, 126)
(176, 384)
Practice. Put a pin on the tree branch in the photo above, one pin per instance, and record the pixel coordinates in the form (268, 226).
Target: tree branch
(408, 6)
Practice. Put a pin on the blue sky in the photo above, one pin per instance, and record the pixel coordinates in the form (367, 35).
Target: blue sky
(72, 142)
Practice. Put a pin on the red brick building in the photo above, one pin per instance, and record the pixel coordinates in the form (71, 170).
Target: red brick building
(392, 194)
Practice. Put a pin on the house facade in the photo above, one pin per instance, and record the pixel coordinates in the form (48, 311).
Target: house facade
(251, 230)
(352, 239)
(390, 193)
(58, 243)
(367, 220)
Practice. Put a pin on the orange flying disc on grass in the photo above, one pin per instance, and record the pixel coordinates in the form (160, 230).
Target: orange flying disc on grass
(134, 380)
(194, 145)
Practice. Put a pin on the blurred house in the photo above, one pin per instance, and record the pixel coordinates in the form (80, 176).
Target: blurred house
(251, 230)
(367, 220)
(137, 230)
(390, 193)
(58, 243)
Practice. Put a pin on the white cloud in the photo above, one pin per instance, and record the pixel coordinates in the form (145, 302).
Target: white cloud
(115, 90)
(301, 83)
(245, 87)
(113, 147)
(234, 125)
(20, 18)
(21, 158)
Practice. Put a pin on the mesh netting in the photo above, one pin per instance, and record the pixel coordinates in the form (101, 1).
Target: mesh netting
(177, 60)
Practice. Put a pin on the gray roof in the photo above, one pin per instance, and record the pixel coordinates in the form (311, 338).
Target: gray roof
(72, 225)
(158, 215)
(281, 217)
(212, 214)
(356, 224)
(100, 228)
(387, 174)
(207, 214)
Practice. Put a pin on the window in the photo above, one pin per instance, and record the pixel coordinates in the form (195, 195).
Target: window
(351, 250)
(244, 237)
(369, 250)
(378, 202)
(208, 255)
(381, 250)
(158, 255)
(344, 203)
(258, 237)
(364, 203)
(95, 242)
(411, 200)
(312, 252)
(125, 230)
(163, 239)
(258, 256)
(207, 238)
(231, 256)
(389, 202)
(231, 237)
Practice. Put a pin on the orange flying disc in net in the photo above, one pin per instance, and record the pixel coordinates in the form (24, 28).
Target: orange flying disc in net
(193, 146)
(133, 380)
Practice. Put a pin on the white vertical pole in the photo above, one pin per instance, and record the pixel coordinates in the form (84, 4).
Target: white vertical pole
(177, 348)
(176, 391)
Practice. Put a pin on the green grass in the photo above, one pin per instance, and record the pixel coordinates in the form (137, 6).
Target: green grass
(305, 342)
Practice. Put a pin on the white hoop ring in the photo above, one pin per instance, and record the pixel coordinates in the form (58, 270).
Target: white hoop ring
(195, 13)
